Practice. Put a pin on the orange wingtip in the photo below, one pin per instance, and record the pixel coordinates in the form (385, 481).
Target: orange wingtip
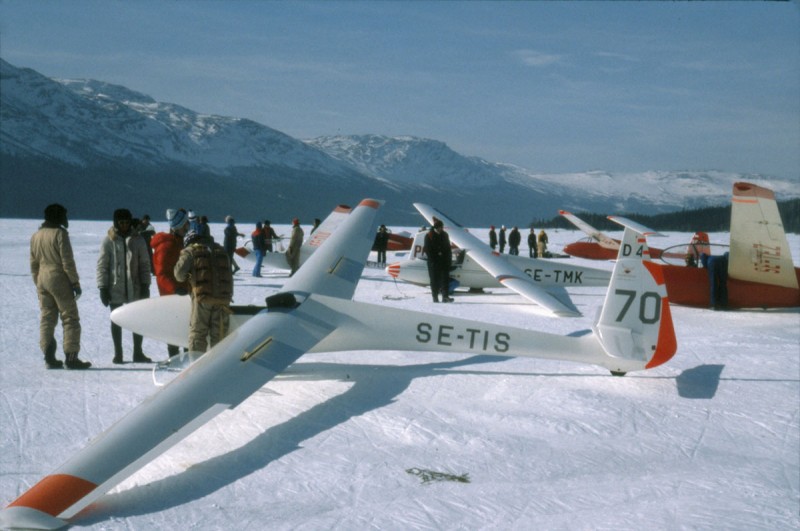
(370, 203)
(55, 494)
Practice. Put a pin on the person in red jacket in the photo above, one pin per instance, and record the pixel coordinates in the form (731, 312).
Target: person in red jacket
(167, 247)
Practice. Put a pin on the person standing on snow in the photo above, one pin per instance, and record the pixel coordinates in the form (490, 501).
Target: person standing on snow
(258, 238)
(492, 238)
(58, 288)
(514, 240)
(381, 243)
(542, 243)
(502, 239)
(440, 257)
(167, 247)
(229, 242)
(533, 250)
(295, 243)
(204, 264)
(123, 276)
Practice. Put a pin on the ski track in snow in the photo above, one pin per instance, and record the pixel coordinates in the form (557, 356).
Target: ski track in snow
(711, 440)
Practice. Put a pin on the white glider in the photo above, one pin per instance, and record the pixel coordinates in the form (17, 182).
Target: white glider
(540, 281)
(315, 314)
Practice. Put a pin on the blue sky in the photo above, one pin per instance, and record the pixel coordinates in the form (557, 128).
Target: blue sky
(551, 86)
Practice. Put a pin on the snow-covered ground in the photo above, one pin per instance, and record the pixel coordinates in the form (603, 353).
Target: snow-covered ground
(711, 440)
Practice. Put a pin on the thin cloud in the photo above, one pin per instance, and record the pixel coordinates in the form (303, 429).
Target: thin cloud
(538, 59)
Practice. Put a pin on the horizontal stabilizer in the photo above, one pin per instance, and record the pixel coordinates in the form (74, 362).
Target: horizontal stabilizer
(638, 227)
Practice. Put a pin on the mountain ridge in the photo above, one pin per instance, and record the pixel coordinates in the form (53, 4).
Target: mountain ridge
(99, 146)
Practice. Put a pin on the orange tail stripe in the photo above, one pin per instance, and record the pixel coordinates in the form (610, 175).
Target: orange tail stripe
(656, 271)
(667, 344)
(55, 494)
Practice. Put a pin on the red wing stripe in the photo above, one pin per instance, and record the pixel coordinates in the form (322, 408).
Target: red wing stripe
(55, 494)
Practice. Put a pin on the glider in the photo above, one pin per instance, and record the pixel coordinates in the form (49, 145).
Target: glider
(315, 313)
(761, 273)
(599, 246)
(477, 267)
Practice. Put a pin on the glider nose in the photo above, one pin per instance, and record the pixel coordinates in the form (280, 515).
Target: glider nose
(393, 270)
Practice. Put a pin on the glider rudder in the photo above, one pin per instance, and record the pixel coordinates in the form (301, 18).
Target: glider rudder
(635, 325)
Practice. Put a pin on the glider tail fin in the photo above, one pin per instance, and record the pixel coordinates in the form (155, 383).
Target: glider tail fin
(418, 247)
(635, 325)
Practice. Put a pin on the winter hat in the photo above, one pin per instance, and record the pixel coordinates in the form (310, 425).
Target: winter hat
(56, 214)
(295, 221)
(190, 238)
(192, 215)
(176, 218)
(122, 214)
(229, 219)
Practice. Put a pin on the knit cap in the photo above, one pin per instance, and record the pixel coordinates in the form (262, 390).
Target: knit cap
(176, 218)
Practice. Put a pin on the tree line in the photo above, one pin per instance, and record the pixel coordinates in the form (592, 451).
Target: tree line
(708, 219)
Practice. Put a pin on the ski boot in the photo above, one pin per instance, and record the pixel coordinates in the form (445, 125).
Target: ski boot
(138, 355)
(50, 360)
(73, 362)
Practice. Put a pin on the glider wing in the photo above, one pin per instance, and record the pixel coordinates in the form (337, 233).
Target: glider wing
(555, 300)
(221, 379)
(596, 235)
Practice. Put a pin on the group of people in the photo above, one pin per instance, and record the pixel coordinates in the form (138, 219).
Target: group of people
(185, 260)
(263, 237)
(537, 245)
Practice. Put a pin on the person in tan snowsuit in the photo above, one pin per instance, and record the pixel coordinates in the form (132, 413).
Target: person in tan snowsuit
(58, 287)
(205, 265)
(295, 243)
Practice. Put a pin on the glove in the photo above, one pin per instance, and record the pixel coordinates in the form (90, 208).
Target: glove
(144, 292)
(105, 296)
(76, 291)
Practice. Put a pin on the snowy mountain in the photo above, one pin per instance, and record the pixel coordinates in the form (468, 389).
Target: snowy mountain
(95, 147)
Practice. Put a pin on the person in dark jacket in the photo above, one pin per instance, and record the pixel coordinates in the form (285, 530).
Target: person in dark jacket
(502, 239)
(492, 238)
(58, 288)
(717, 267)
(229, 243)
(381, 244)
(514, 240)
(123, 276)
(147, 231)
(259, 247)
(440, 257)
(270, 236)
(533, 248)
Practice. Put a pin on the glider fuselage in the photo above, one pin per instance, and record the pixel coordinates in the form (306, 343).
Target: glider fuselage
(689, 286)
(470, 274)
